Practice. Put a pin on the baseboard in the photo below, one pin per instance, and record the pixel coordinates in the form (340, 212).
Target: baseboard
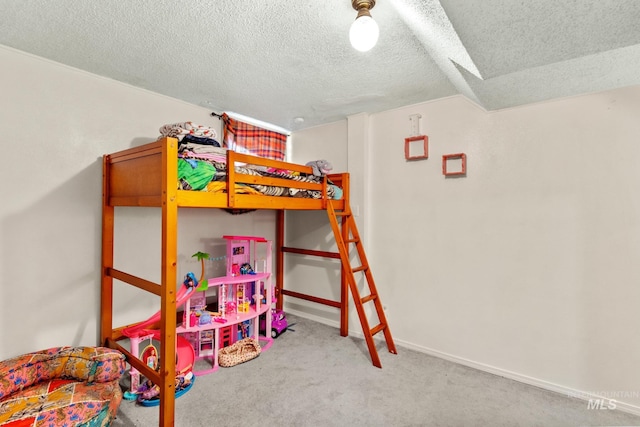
(546, 385)
(318, 319)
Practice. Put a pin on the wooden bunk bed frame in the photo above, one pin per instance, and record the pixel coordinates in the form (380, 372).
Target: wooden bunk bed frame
(146, 176)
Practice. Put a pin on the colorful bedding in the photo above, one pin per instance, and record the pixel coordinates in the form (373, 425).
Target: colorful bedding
(204, 168)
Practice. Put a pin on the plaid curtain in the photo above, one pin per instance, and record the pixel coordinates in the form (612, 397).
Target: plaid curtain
(246, 138)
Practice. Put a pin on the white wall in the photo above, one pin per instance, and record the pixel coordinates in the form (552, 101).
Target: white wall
(311, 230)
(57, 122)
(528, 266)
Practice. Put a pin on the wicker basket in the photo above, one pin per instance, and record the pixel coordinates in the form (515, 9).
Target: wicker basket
(239, 352)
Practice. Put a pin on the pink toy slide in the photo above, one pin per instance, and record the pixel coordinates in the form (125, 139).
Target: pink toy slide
(139, 329)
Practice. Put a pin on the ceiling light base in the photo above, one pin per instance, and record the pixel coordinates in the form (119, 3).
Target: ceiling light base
(363, 4)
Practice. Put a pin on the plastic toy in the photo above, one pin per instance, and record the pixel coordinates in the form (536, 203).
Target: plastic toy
(205, 318)
(246, 269)
(235, 270)
(145, 392)
(190, 280)
(202, 256)
(148, 394)
(150, 357)
(278, 323)
(244, 295)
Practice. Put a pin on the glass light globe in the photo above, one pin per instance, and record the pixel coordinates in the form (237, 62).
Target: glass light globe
(364, 33)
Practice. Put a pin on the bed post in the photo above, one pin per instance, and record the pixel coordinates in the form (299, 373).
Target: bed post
(344, 284)
(106, 289)
(279, 258)
(168, 283)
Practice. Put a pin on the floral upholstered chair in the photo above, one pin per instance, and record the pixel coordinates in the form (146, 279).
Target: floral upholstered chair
(61, 386)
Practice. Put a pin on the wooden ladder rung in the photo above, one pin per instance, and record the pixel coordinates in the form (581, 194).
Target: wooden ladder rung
(368, 298)
(346, 234)
(377, 329)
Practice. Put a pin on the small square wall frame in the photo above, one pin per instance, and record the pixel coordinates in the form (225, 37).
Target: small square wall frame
(416, 147)
(461, 171)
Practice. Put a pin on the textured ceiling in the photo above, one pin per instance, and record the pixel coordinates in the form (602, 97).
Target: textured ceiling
(276, 60)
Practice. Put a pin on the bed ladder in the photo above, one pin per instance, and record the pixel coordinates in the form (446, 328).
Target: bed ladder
(345, 235)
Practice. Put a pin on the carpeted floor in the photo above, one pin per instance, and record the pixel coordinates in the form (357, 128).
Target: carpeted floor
(313, 377)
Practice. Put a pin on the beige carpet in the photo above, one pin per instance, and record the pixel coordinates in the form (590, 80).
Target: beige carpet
(313, 377)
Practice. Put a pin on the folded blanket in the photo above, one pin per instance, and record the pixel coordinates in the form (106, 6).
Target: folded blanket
(204, 151)
(192, 139)
(179, 130)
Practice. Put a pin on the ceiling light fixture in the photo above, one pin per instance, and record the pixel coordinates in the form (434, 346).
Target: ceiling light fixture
(364, 31)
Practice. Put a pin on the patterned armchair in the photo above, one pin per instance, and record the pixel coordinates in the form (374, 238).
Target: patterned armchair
(61, 386)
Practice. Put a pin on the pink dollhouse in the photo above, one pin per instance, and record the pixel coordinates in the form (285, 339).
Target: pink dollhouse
(244, 295)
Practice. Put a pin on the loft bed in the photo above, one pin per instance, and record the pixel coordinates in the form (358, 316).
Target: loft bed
(148, 176)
